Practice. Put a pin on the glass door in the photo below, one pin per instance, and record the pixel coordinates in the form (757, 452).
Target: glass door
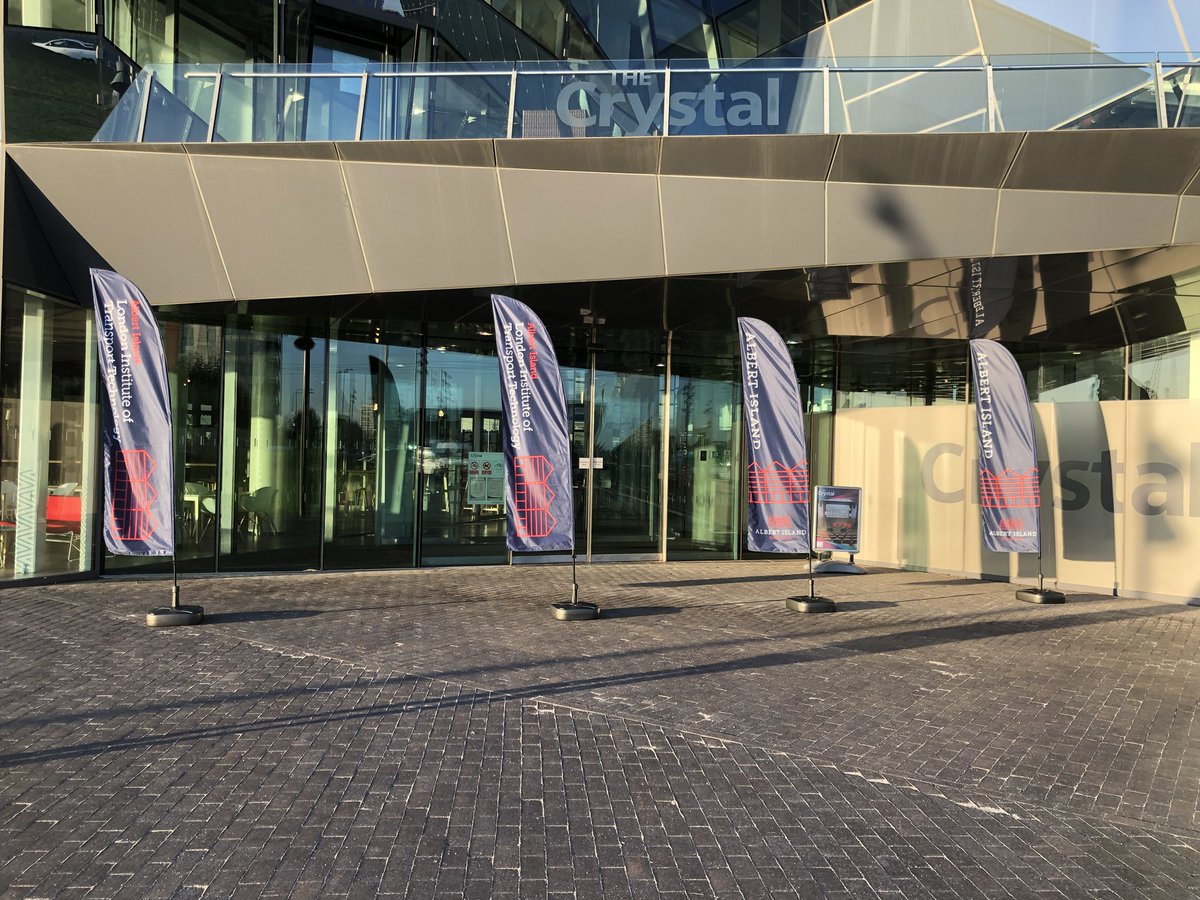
(615, 414)
(269, 507)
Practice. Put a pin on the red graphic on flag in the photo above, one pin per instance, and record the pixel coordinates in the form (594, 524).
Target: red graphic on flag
(778, 483)
(133, 495)
(1009, 490)
(532, 496)
(779, 522)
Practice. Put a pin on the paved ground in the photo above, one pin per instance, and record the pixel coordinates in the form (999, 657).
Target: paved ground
(436, 734)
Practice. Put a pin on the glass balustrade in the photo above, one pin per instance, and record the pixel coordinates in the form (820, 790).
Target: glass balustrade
(555, 99)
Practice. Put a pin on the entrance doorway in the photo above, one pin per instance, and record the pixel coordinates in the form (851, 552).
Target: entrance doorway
(615, 393)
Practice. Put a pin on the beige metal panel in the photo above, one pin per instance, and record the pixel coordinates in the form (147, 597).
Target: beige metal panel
(1061, 222)
(631, 155)
(1135, 161)
(267, 149)
(1187, 231)
(284, 226)
(577, 226)
(140, 212)
(960, 160)
(430, 153)
(429, 227)
(800, 157)
(742, 225)
(883, 222)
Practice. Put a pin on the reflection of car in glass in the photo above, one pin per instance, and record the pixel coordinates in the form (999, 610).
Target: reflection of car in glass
(71, 47)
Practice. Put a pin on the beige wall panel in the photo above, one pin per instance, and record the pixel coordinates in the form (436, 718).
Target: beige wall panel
(884, 222)
(1120, 493)
(742, 225)
(123, 203)
(1161, 493)
(284, 226)
(1057, 222)
(429, 227)
(1081, 439)
(576, 226)
(902, 457)
(1187, 230)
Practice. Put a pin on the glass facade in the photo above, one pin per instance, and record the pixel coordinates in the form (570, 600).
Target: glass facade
(48, 379)
(365, 432)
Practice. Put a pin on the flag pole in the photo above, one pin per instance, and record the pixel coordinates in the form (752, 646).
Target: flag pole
(812, 603)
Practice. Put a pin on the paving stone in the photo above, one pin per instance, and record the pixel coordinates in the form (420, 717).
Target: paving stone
(435, 733)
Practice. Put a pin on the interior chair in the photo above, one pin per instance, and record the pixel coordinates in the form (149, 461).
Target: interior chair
(208, 515)
(194, 493)
(259, 508)
(64, 522)
(65, 489)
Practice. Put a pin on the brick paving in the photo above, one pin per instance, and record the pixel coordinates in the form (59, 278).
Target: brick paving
(435, 733)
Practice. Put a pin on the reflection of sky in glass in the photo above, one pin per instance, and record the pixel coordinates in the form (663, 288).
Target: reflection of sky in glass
(1117, 26)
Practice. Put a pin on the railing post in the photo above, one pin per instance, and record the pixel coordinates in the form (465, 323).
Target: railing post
(989, 77)
(141, 132)
(666, 101)
(1160, 95)
(825, 99)
(512, 101)
(362, 108)
(212, 115)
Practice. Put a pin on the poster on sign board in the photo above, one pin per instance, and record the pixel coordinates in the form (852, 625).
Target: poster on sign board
(837, 518)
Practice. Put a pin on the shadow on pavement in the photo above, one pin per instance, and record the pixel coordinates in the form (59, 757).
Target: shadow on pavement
(630, 612)
(264, 615)
(466, 696)
(702, 582)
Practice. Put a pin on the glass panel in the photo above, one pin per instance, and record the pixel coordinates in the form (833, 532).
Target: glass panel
(587, 104)
(747, 101)
(1162, 369)
(48, 390)
(753, 29)
(626, 498)
(703, 473)
(450, 105)
(288, 107)
(371, 486)
(145, 29)
(542, 20)
(181, 116)
(69, 14)
(1067, 376)
(122, 123)
(1046, 99)
(881, 373)
(272, 446)
(50, 86)
(1182, 96)
(945, 100)
(462, 418)
(193, 353)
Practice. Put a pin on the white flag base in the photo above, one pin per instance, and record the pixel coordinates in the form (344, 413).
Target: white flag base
(166, 616)
(1041, 595)
(811, 604)
(837, 567)
(575, 612)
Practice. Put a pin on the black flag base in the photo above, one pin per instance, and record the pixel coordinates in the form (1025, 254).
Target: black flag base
(1041, 595)
(811, 604)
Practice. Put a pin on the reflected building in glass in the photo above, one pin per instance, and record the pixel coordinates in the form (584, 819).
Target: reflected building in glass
(320, 197)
